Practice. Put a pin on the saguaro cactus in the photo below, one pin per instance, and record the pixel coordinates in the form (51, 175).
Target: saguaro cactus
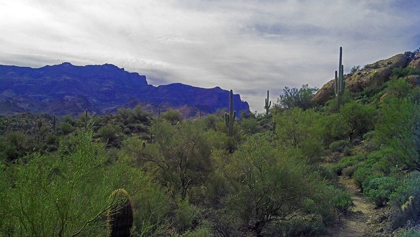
(120, 215)
(230, 117)
(54, 123)
(86, 118)
(339, 81)
(159, 111)
(267, 103)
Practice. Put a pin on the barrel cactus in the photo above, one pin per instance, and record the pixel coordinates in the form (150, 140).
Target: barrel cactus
(120, 215)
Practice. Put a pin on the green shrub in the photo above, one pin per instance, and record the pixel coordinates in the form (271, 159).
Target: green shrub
(341, 199)
(360, 176)
(379, 189)
(15, 145)
(403, 72)
(48, 195)
(338, 145)
(407, 198)
(409, 233)
(346, 162)
(297, 98)
(173, 116)
(358, 117)
(109, 133)
(66, 128)
(185, 214)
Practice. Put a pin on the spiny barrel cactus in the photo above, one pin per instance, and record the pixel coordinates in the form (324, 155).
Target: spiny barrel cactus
(230, 117)
(120, 215)
(267, 103)
(339, 81)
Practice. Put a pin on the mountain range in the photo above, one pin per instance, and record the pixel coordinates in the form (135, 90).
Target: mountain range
(68, 89)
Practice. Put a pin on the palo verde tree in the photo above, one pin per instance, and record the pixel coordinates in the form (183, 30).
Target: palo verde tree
(180, 154)
(399, 126)
(267, 185)
(40, 196)
(301, 98)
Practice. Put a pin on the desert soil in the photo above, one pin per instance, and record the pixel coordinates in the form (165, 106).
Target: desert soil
(362, 219)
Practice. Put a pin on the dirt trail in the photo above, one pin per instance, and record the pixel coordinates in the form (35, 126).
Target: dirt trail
(355, 222)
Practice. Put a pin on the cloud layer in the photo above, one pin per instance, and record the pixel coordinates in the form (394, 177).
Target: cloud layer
(248, 46)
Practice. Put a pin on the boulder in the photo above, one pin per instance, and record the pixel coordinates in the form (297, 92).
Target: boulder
(415, 63)
(324, 94)
(375, 74)
(414, 80)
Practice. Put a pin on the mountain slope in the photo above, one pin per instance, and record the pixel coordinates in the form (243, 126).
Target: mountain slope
(372, 75)
(68, 89)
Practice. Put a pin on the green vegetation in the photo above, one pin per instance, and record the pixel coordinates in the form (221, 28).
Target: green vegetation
(271, 174)
(301, 98)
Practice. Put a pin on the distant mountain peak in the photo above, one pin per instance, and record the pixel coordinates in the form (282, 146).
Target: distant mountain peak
(65, 88)
(66, 64)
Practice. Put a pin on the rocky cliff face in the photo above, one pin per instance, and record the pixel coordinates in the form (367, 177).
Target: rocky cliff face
(374, 74)
(68, 89)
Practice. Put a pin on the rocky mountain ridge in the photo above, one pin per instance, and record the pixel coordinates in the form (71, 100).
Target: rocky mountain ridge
(371, 75)
(68, 89)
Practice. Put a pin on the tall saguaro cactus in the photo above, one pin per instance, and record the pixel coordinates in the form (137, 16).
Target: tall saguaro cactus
(54, 123)
(86, 118)
(267, 103)
(339, 81)
(230, 117)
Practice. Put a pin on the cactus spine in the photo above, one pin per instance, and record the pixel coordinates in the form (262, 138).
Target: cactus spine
(230, 117)
(120, 215)
(267, 103)
(339, 81)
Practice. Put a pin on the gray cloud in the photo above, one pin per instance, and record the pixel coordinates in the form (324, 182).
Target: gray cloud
(249, 45)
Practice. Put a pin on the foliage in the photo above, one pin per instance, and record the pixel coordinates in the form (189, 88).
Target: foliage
(268, 185)
(358, 118)
(173, 116)
(399, 129)
(403, 72)
(65, 128)
(302, 130)
(379, 189)
(137, 115)
(15, 145)
(297, 98)
(180, 154)
(108, 133)
(355, 69)
(338, 145)
(409, 233)
(51, 196)
(407, 199)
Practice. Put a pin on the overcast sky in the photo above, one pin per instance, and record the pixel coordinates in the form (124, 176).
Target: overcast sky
(248, 46)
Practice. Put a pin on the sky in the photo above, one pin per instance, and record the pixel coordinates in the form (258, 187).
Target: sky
(250, 46)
